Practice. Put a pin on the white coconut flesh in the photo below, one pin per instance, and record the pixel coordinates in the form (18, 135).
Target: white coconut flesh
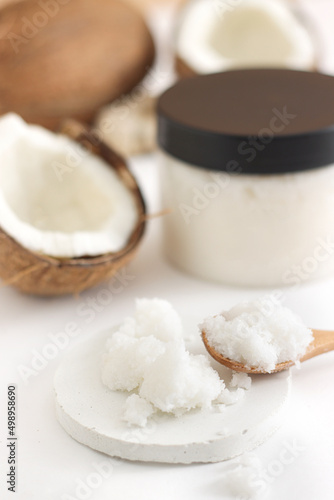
(56, 198)
(216, 35)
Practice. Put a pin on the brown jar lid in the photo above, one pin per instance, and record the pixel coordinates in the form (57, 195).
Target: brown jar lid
(258, 121)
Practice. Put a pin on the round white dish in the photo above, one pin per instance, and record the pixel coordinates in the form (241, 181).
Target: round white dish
(92, 414)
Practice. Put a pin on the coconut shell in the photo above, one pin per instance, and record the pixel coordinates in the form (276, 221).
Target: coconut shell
(182, 69)
(38, 274)
(147, 5)
(67, 58)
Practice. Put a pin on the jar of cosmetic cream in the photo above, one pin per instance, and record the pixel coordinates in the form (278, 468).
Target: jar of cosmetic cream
(248, 171)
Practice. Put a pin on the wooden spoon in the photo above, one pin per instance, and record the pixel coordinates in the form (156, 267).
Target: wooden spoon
(323, 342)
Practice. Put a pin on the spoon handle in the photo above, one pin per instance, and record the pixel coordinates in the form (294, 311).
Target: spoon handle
(323, 342)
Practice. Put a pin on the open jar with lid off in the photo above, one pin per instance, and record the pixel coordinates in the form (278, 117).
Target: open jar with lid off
(248, 171)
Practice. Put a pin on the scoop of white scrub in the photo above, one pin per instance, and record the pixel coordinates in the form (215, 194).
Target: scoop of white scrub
(147, 354)
(258, 336)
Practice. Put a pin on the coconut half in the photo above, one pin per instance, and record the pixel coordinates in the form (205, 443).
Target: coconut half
(218, 35)
(69, 217)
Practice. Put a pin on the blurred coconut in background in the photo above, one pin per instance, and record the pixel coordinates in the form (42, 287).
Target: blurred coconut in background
(147, 5)
(68, 60)
(85, 63)
(209, 36)
(219, 35)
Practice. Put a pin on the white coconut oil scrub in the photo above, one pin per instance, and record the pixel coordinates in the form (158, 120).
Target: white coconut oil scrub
(247, 170)
(136, 392)
(148, 354)
(58, 199)
(256, 336)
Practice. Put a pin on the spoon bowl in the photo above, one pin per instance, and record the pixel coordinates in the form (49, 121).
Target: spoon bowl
(323, 342)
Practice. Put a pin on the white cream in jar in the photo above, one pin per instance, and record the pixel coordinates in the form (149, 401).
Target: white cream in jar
(248, 171)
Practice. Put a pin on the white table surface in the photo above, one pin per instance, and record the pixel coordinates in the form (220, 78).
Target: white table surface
(51, 465)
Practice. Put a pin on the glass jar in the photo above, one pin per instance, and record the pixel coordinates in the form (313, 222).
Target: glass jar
(248, 171)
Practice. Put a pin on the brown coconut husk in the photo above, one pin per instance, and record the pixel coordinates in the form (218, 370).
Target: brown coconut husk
(148, 5)
(69, 60)
(182, 69)
(39, 274)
